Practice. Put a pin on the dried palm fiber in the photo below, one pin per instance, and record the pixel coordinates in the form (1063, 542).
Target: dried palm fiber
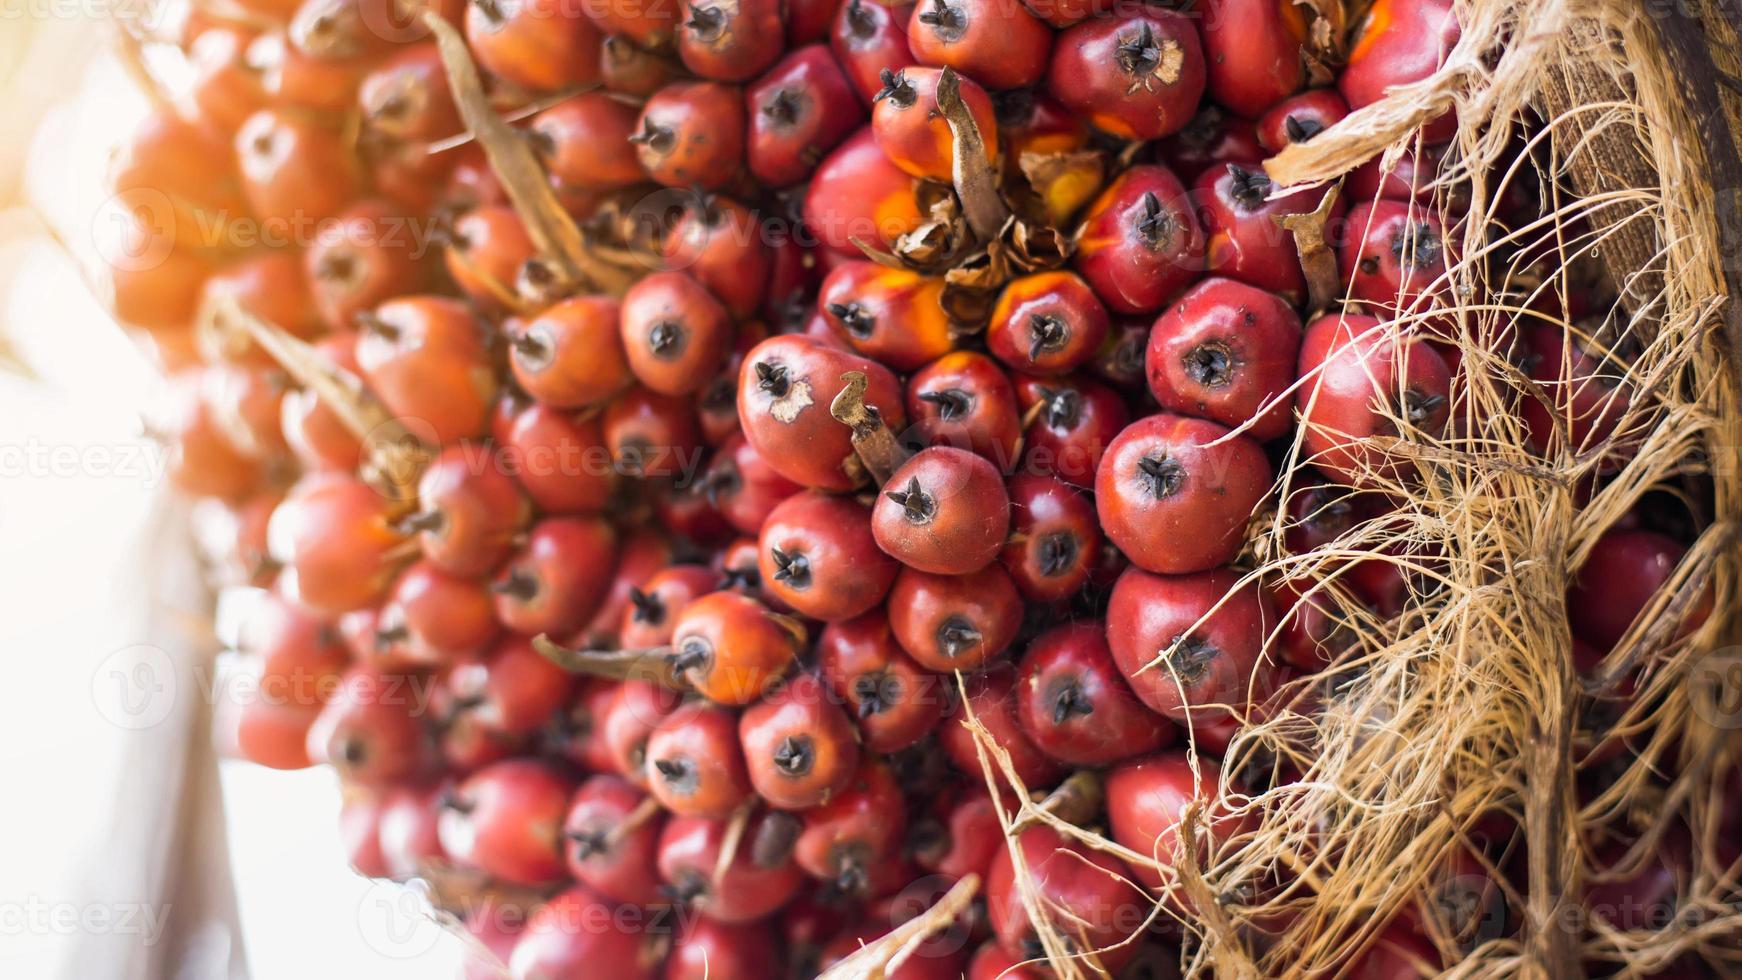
(1460, 715)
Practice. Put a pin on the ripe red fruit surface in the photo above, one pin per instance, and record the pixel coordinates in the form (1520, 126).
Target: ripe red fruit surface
(856, 192)
(515, 690)
(798, 745)
(488, 249)
(583, 142)
(1587, 394)
(1299, 118)
(1177, 667)
(205, 460)
(269, 733)
(1352, 364)
(559, 458)
(294, 170)
(652, 435)
(1139, 242)
(784, 391)
(945, 511)
(577, 933)
(964, 400)
(1047, 323)
(997, 44)
(890, 315)
(1398, 42)
(730, 42)
(868, 37)
(1223, 351)
(732, 648)
(506, 820)
(612, 844)
(424, 357)
(692, 135)
(695, 767)
(862, 827)
(711, 950)
(675, 332)
(1242, 239)
(1392, 252)
(1175, 499)
(759, 879)
(471, 509)
(994, 702)
(1055, 540)
(649, 24)
(725, 247)
(911, 130)
(271, 286)
(1622, 575)
(1075, 705)
(819, 556)
(893, 702)
(630, 717)
(373, 730)
(1253, 51)
(1085, 895)
(558, 577)
(1137, 75)
(1145, 798)
(742, 484)
(408, 829)
(407, 96)
(1072, 422)
(651, 613)
(954, 622)
(535, 44)
(437, 617)
(570, 354)
(334, 535)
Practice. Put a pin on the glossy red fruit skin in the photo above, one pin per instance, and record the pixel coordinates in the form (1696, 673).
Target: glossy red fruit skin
(996, 44)
(424, 357)
(674, 332)
(1223, 351)
(1096, 72)
(695, 767)
(861, 827)
(535, 44)
(168, 154)
(407, 829)
(894, 703)
(1088, 893)
(601, 853)
(967, 835)
(570, 354)
(515, 690)
(650, 24)
(819, 556)
(270, 733)
(1411, 178)
(711, 950)
(374, 729)
(1054, 538)
(726, 248)
(577, 933)
(1253, 52)
(1587, 395)
(300, 656)
(743, 647)
(993, 699)
(360, 834)
(630, 717)
(1074, 704)
(744, 485)
(799, 746)
(1046, 324)
(508, 821)
(272, 287)
(692, 135)
(1621, 576)
(558, 577)
(1299, 118)
(651, 615)
(407, 97)
(356, 263)
(644, 552)
(471, 511)
(1398, 42)
(489, 248)
(1400, 953)
(444, 617)
(856, 192)
(911, 130)
(893, 316)
(866, 38)
(991, 962)
(1392, 253)
(652, 435)
(1242, 241)
(1140, 242)
(333, 534)
(954, 622)
(1144, 800)
(294, 171)
(1349, 362)
(559, 459)
(1172, 501)
(784, 390)
(206, 461)
(754, 885)
(583, 142)
(1315, 628)
(1151, 616)
(964, 400)
(945, 511)
(730, 42)
(1070, 432)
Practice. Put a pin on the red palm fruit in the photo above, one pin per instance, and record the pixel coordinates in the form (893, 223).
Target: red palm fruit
(1137, 76)
(803, 108)
(555, 581)
(1225, 351)
(868, 37)
(242, 550)
(954, 622)
(1392, 253)
(960, 836)
(1584, 396)
(294, 171)
(890, 315)
(1145, 798)
(536, 44)
(1410, 178)
(1396, 43)
(1072, 421)
(856, 192)
(425, 358)
(204, 460)
(758, 880)
(1298, 118)
(731, 648)
(299, 654)
(296, 79)
(613, 840)
(786, 386)
(799, 747)
(1621, 576)
(1048, 323)
(1212, 139)
(407, 830)
(1352, 366)
(745, 487)
(578, 934)
(894, 702)
(166, 154)
(1076, 707)
(577, 733)
(515, 690)
(947, 512)
(1319, 514)
(362, 258)
(991, 962)
(360, 835)
(584, 142)
(730, 42)
(674, 332)
(1065, 13)
(1399, 953)
(1315, 630)
(691, 134)
(154, 286)
(1032, 124)
(246, 403)
(911, 130)
(496, 925)
(818, 555)
(470, 511)
(271, 286)
(861, 827)
(689, 515)
(374, 729)
(1242, 239)
(436, 617)
(652, 435)
(336, 30)
(1175, 493)
(1054, 540)
(1179, 670)
(722, 245)
(649, 24)
(1253, 52)
(643, 554)
(630, 718)
(992, 699)
(334, 536)
(711, 950)
(226, 88)
(1119, 362)
(1140, 243)
(570, 355)
(406, 97)
(1087, 896)
(717, 405)
(998, 45)
(488, 247)
(559, 459)
(625, 69)
(965, 400)
(695, 767)
(654, 606)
